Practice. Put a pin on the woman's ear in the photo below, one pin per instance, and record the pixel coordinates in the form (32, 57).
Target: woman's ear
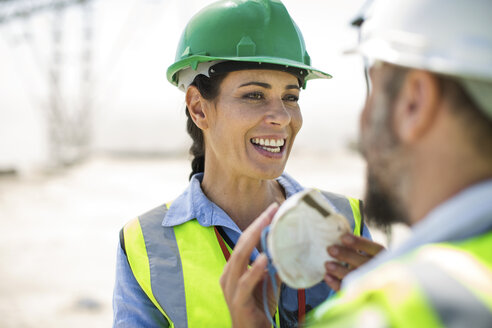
(196, 107)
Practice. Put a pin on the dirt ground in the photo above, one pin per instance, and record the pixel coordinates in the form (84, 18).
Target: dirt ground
(59, 231)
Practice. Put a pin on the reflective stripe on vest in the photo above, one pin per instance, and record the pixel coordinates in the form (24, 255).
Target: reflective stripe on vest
(139, 260)
(179, 267)
(439, 285)
(464, 271)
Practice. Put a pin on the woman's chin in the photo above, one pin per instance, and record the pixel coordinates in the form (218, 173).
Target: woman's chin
(269, 172)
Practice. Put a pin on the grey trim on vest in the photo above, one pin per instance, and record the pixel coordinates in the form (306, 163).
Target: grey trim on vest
(166, 272)
(455, 305)
(342, 205)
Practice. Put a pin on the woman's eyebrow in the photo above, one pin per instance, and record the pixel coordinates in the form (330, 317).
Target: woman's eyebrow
(260, 84)
(292, 86)
(268, 86)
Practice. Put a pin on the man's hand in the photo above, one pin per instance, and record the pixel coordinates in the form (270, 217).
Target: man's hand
(243, 286)
(355, 251)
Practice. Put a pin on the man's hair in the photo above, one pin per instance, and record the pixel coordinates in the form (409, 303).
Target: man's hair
(477, 124)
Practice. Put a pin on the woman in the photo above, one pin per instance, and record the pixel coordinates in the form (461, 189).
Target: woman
(242, 65)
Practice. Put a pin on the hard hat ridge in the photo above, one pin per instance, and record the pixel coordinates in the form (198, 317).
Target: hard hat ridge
(266, 10)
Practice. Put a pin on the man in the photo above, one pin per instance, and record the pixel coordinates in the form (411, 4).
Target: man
(426, 134)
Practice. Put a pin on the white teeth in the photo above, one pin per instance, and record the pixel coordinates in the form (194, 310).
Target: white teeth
(277, 143)
(272, 150)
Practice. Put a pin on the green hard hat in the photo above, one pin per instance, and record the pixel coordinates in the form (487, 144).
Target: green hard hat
(256, 31)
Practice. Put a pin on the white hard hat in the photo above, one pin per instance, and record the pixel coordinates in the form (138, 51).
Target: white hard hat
(449, 37)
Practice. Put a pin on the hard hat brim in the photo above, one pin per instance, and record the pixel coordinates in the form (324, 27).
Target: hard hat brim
(193, 62)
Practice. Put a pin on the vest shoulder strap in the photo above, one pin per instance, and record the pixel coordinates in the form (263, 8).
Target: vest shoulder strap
(178, 268)
(136, 244)
(202, 263)
(350, 208)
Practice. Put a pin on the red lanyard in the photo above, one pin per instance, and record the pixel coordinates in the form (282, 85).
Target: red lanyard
(223, 246)
(301, 293)
(301, 303)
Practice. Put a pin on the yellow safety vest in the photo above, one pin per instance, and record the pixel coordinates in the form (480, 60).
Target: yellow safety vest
(179, 267)
(437, 285)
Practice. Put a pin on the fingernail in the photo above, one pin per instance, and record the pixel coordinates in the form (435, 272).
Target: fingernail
(333, 250)
(348, 239)
(330, 266)
(262, 258)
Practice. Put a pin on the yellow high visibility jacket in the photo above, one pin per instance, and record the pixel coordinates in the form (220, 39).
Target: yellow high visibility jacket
(179, 267)
(437, 285)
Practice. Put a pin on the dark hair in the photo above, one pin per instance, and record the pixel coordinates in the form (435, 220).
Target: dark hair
(477, 124)
(209, 89)
(462, 105)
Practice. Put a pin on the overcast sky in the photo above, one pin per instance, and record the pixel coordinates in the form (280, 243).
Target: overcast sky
(136, 109)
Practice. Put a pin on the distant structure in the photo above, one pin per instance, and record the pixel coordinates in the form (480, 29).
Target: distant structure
(69, 126)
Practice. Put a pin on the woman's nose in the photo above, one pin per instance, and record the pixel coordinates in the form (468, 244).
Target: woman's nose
(278, 114)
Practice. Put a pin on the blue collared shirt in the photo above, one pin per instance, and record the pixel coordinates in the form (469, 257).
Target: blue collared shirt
(193, 203)
(132, 308)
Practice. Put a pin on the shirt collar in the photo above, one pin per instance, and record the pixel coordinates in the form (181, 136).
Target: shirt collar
(193, 204)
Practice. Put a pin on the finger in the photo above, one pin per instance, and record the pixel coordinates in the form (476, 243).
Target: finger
(249, 280)
(251, 236)
(336, 270)
(239, 260)
(347, 255)
(333, 282)
(362, 244)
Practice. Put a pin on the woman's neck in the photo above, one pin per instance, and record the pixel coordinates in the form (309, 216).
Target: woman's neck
(242, 198)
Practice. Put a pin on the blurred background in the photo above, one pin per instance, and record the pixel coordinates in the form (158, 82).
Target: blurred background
(92, 135)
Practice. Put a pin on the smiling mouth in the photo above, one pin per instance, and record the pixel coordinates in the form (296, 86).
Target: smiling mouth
(270, 145)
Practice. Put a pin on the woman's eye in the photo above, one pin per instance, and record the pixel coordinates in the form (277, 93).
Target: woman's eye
(254, 95)
(292, 98)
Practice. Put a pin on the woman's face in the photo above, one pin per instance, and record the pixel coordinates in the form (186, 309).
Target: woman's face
(252, 123)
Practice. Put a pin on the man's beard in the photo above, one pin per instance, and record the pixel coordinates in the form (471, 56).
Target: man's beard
(381, 206)
(386, 168)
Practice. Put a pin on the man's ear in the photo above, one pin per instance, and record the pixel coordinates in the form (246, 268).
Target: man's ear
(416, 105)
(196, 107)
